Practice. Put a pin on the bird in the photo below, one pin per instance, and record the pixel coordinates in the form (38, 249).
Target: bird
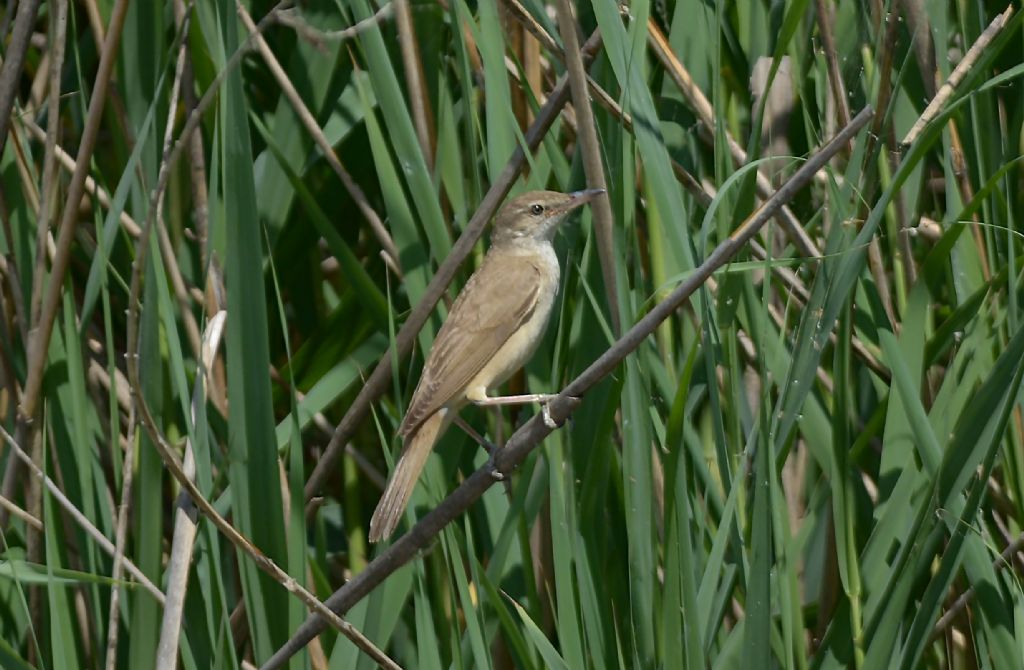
(492, 330)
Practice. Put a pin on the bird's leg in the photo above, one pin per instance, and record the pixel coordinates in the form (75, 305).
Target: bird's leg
(540, 398)
(499, 436)
(479, 439)
(528, 399)
(499, 427)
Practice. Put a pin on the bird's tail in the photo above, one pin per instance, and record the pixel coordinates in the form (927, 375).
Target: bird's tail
(407, 472)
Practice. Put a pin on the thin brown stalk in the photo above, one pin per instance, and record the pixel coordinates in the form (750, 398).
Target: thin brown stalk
(67, 161)
(170, 258)
(534, 27)
(963, 180)
(876, 265)
(14, 60)
(48, 199)
(197, 174)
(586, 134)
(412, 67)
(957, 76)
(195, 117)
(10, 276)
(95, 21)
(380, 378)
(16, 511)
(14, 311)
(524, 54)
(965, 598)
(921, 37)
(181, 292)
(197, 160)
(291, 19)
(885, 68)
(120, 538)
(41, 84)
(835, 77)
(192, 124)
(98, 375)
(29, 186)
(530, 435)
(603, 98)
(313, 128)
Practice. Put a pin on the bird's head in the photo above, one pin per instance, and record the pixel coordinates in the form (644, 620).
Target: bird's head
(536, 215)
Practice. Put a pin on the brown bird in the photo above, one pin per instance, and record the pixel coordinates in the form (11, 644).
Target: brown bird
(492, 330)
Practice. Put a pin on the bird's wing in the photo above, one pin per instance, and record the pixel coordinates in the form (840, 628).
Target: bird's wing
(495, 302)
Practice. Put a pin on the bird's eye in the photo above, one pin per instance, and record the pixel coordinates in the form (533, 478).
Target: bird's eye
(537, 210)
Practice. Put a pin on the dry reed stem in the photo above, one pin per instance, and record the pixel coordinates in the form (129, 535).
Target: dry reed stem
(185, 514)
(18, 512)
(94, 190)
(120, 537)
(957, 76)
(14, 60)
(604, 220)
(412, 66)
(291, 19)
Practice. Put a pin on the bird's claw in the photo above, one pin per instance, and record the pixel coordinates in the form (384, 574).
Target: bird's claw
(546, 415)
(492, 467)
(549, 421)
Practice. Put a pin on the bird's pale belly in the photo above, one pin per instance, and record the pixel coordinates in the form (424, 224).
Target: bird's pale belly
(515, 353)
(512, 355)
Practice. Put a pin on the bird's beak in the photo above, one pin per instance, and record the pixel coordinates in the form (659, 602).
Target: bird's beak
(580, 198)
(583, 197)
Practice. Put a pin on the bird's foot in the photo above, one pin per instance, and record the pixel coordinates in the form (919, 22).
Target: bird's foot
(545, 413)
(549, 421)
(492, 467)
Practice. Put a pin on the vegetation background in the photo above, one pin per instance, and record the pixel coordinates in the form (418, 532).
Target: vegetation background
(815, 463)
